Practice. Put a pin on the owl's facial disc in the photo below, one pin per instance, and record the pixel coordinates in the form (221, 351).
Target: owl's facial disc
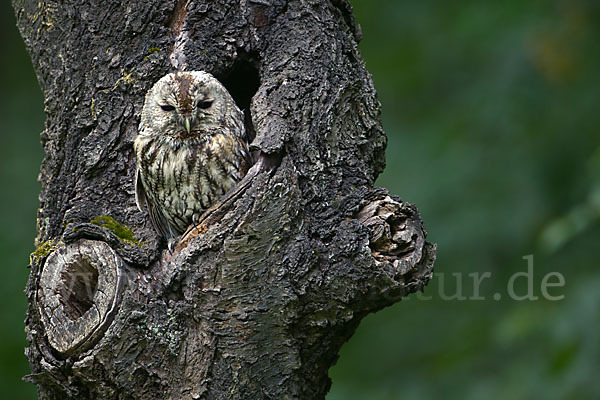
(186, 104)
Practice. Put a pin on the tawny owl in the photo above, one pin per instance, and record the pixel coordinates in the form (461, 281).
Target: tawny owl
(190, 150)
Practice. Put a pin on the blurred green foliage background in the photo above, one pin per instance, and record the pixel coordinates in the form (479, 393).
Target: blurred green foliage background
(21, 122)
(492, 114)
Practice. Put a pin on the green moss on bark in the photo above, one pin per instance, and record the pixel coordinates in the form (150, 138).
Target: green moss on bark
(121, 231)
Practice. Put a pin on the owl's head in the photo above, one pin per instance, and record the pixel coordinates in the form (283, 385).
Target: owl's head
(187, 104)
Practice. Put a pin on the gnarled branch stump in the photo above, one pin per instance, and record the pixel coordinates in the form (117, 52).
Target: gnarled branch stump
(257, 299)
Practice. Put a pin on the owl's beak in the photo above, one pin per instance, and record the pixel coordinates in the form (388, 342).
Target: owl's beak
(188, 126)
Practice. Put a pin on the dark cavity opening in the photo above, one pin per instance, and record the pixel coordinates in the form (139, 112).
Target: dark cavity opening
(242, 81)
(79, 281)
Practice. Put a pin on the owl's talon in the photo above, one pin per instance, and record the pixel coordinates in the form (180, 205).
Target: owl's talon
(195, 218)
(171, 244)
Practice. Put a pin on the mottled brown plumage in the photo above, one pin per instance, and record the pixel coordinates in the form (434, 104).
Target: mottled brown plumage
(190, 150)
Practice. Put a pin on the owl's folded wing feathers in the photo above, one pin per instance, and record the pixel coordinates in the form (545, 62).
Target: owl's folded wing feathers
(158, 220)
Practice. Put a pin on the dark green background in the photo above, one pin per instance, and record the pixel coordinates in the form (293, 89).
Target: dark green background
(492, 114)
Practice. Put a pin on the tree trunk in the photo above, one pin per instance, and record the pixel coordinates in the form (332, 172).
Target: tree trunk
(257, 299)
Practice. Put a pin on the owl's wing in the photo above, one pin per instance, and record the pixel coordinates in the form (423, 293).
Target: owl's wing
(140, 193)
(158, 220)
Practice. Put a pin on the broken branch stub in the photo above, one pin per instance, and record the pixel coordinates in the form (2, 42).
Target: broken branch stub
(79, 291)
(397, 242)
(395, 236)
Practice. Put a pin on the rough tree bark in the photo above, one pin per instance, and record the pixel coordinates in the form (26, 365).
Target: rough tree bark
(255, 301)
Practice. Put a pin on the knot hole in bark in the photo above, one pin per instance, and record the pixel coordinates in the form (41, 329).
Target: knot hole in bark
(242, 81)
(77, 287)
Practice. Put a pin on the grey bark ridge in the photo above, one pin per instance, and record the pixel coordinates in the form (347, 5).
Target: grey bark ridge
(257, 299)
